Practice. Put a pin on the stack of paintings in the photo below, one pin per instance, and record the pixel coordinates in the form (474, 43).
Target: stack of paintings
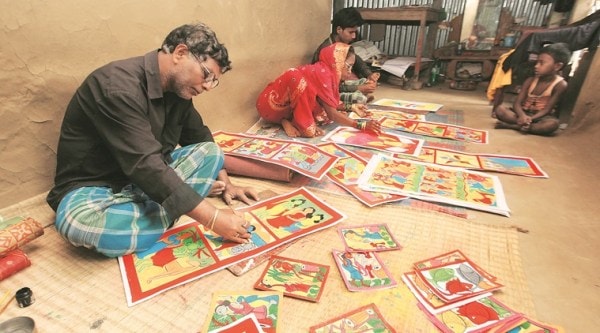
(359, 264)
(456, 295)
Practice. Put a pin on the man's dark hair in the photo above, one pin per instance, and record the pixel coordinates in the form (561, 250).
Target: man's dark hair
(201, 41)
(558, 51)
(346, 18)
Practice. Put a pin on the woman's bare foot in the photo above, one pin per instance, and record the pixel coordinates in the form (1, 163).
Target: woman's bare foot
(290, 129)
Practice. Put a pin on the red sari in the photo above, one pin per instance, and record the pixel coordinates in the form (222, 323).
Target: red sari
(293, 95)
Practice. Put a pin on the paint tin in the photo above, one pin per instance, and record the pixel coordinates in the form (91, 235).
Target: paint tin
(18, 324)
(24, 297)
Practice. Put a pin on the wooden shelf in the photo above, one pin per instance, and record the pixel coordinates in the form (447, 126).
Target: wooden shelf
(408, 15)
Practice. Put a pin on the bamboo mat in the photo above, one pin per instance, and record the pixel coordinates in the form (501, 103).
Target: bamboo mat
(76, 290)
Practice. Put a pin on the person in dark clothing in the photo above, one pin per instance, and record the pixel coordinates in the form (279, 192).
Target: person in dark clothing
(134, 154)
(344, 28)
(584, 33)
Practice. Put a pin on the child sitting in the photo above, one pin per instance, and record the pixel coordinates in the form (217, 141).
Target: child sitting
(534, 109)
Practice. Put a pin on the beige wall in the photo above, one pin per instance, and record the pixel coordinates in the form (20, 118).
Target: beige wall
(586, 111)
(48, 47)
(585, 116)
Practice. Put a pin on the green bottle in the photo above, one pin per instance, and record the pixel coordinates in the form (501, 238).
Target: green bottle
(435, 72)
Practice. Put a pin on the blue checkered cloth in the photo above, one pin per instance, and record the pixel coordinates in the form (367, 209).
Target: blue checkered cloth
(116, 224)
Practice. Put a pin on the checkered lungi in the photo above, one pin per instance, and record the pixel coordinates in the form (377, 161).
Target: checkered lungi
(115, 224)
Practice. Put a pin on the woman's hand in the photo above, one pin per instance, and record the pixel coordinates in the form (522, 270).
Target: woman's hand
(361, 110)
(369, 125)
(232, 226)
(373, 126)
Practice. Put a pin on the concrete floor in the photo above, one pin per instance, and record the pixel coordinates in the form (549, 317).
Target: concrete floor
(558, 215)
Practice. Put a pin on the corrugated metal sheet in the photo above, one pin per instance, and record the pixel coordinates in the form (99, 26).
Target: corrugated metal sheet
(531, 12)
(401, 40)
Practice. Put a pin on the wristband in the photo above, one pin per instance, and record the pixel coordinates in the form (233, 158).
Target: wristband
(212, 221)
(361, 124)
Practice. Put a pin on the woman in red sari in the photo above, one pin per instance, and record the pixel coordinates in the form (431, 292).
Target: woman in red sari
(304, 97)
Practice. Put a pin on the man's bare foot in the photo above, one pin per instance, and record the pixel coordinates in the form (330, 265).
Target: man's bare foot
(290, 129)
(217, 188)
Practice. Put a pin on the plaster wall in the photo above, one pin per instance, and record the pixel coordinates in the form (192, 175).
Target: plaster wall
(49, 47)
(585, 116)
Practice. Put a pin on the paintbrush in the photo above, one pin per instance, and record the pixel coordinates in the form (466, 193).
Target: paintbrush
(249, 227)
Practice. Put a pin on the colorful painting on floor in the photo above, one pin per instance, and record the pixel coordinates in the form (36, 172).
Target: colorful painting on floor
(304, 158)
(294, 278)
(345, 174)
(367, 318)
(432, 182)
(437, 130)
(395, 114)
(427, 298)
(475, 316)
(385, 141)
(453, 277)
(188, 252)
(246, 324)
(408, 105)
(363, 271)
(228, 308)
(368, 237)
(524, 324)
(516, 165)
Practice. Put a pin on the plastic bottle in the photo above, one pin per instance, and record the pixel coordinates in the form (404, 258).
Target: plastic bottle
(435, 71)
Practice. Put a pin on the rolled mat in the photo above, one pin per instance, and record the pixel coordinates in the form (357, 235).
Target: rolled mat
(13, 262)
(247, 167)
(18, 234)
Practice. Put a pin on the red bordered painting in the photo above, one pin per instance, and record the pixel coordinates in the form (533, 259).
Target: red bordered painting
(188, 252)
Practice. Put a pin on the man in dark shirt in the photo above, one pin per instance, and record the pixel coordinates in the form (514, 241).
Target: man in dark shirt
(134, 154)
(344, 27)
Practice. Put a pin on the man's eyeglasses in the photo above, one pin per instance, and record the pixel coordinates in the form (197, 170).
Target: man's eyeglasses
(209, 76)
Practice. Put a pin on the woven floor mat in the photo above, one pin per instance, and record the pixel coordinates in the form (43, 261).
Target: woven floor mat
(35, 207)
(76, 290)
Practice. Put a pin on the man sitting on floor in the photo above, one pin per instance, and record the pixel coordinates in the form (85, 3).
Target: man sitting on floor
(120, 180)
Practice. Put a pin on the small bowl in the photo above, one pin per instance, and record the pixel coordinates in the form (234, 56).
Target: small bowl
(18, 325)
